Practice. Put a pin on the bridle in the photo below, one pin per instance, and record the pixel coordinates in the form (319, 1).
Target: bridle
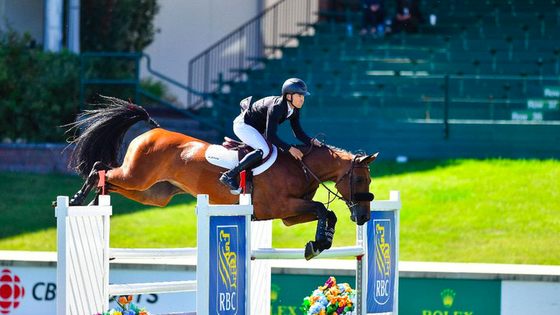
(354, 198)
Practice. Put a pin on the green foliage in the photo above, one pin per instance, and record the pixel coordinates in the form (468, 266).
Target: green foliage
(117, 26)
(123, 26)
(39, 90)
(157, 88)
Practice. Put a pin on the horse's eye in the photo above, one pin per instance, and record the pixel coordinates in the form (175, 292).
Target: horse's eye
(359, 180)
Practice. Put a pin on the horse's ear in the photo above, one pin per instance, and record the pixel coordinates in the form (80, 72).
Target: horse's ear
(367, 159)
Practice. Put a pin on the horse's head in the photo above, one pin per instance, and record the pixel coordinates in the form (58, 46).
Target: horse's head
(353, 185)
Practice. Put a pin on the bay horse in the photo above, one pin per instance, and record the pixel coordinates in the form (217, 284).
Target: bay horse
(159, 164)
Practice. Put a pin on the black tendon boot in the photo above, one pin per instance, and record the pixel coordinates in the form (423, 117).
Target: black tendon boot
(229, 178)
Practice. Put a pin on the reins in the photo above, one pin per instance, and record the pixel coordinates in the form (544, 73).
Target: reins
(307, 170)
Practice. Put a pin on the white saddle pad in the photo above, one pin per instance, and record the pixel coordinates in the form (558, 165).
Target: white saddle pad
(222, 157)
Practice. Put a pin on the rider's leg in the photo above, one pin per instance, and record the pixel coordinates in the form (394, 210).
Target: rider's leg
(230, 177)
(250, 136)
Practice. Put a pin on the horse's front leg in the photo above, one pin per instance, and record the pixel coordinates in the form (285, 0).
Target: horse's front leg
(307, 211)
(326, 221)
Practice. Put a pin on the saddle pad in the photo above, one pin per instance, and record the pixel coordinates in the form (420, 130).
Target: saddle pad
(220, 156)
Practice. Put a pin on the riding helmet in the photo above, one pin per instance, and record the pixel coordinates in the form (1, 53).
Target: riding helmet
(294, 85)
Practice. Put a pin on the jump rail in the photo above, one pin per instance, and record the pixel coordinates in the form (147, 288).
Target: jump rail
(232, 264)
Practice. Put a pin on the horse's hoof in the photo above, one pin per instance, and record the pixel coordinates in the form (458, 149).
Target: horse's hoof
(54, 204)
(311, 251)
(77, 200)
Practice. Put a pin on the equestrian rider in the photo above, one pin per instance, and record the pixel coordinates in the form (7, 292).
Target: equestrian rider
(259, 121)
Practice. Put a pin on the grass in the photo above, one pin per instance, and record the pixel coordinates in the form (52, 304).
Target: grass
(491, 211)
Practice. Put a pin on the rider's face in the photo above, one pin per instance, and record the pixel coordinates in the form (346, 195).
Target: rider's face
(297, 100)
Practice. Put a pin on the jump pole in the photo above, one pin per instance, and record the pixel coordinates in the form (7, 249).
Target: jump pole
(376, 252)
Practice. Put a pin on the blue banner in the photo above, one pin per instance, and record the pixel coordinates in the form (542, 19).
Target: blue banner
(227, 265)
(381, 261)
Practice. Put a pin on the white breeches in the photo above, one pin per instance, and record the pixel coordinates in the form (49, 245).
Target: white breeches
(250, 135)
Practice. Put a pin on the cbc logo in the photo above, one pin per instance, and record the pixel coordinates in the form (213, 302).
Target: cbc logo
(11, 291)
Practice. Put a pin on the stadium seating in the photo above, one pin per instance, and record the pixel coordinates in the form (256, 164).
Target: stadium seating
(500, 57)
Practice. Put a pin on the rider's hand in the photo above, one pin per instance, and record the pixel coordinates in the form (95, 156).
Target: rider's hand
(317, 143)
(296, 153)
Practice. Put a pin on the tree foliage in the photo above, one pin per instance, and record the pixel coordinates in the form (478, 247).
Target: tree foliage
(39, 91)
(117, 25)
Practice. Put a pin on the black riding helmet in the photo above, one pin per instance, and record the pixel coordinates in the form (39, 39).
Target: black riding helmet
(294, 85)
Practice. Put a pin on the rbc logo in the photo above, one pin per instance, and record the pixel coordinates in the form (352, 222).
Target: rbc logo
(382, 261)
(227, 267)
(11, 291)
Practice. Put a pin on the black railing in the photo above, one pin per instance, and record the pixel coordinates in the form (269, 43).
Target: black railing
(247, 46)
(132, 79)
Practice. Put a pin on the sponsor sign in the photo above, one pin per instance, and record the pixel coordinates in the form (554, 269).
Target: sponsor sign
(227, 268)
(382, 261)
(33, 290)
(449, 296)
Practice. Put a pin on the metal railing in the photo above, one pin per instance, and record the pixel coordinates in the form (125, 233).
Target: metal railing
(132, 78)
(247, 47)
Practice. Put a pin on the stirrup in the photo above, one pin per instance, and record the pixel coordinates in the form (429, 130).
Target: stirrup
(230, 182)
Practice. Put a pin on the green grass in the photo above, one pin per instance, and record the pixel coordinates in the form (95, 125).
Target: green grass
(491, 211)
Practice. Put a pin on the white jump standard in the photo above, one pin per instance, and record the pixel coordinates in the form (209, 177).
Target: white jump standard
(233, 274)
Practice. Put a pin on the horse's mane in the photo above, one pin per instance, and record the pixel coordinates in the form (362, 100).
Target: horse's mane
(305, 148)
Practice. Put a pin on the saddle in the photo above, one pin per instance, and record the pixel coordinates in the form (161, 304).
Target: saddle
(230, 152)
(244, 149)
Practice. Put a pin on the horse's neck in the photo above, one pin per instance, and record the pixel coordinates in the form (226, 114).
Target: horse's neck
(327, 164)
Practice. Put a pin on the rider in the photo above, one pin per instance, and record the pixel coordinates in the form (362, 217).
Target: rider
(260, 120)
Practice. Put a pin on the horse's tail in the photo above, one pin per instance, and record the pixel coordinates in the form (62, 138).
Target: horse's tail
(102, 133)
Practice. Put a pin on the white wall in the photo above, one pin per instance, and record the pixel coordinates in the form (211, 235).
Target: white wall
(188, 27)
(523, 297)
(23, 16)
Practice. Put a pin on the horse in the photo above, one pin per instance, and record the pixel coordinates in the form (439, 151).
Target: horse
(159, 164)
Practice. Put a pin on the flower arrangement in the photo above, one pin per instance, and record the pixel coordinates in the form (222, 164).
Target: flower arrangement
(330, 299)
(126, 307)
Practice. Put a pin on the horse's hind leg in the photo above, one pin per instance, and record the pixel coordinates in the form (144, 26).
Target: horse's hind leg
(92, 179)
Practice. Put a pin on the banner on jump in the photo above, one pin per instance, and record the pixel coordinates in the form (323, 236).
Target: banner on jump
(382, 262)
(227, 268)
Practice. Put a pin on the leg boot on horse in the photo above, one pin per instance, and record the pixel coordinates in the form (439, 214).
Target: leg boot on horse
(229, 178)
(91, 181)
(324, 235)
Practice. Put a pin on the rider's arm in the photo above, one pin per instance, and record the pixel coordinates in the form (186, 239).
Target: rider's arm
(273, 117)
(298, 131)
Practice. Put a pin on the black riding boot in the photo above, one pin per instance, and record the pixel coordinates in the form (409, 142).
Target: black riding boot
(229, 178)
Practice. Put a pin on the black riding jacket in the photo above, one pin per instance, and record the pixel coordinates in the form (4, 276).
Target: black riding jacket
(267, 113)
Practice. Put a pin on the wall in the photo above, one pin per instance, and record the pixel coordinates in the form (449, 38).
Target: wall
(425, 140)
(189, 27)
(23, 15)
(34, 158)
(475, 288)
